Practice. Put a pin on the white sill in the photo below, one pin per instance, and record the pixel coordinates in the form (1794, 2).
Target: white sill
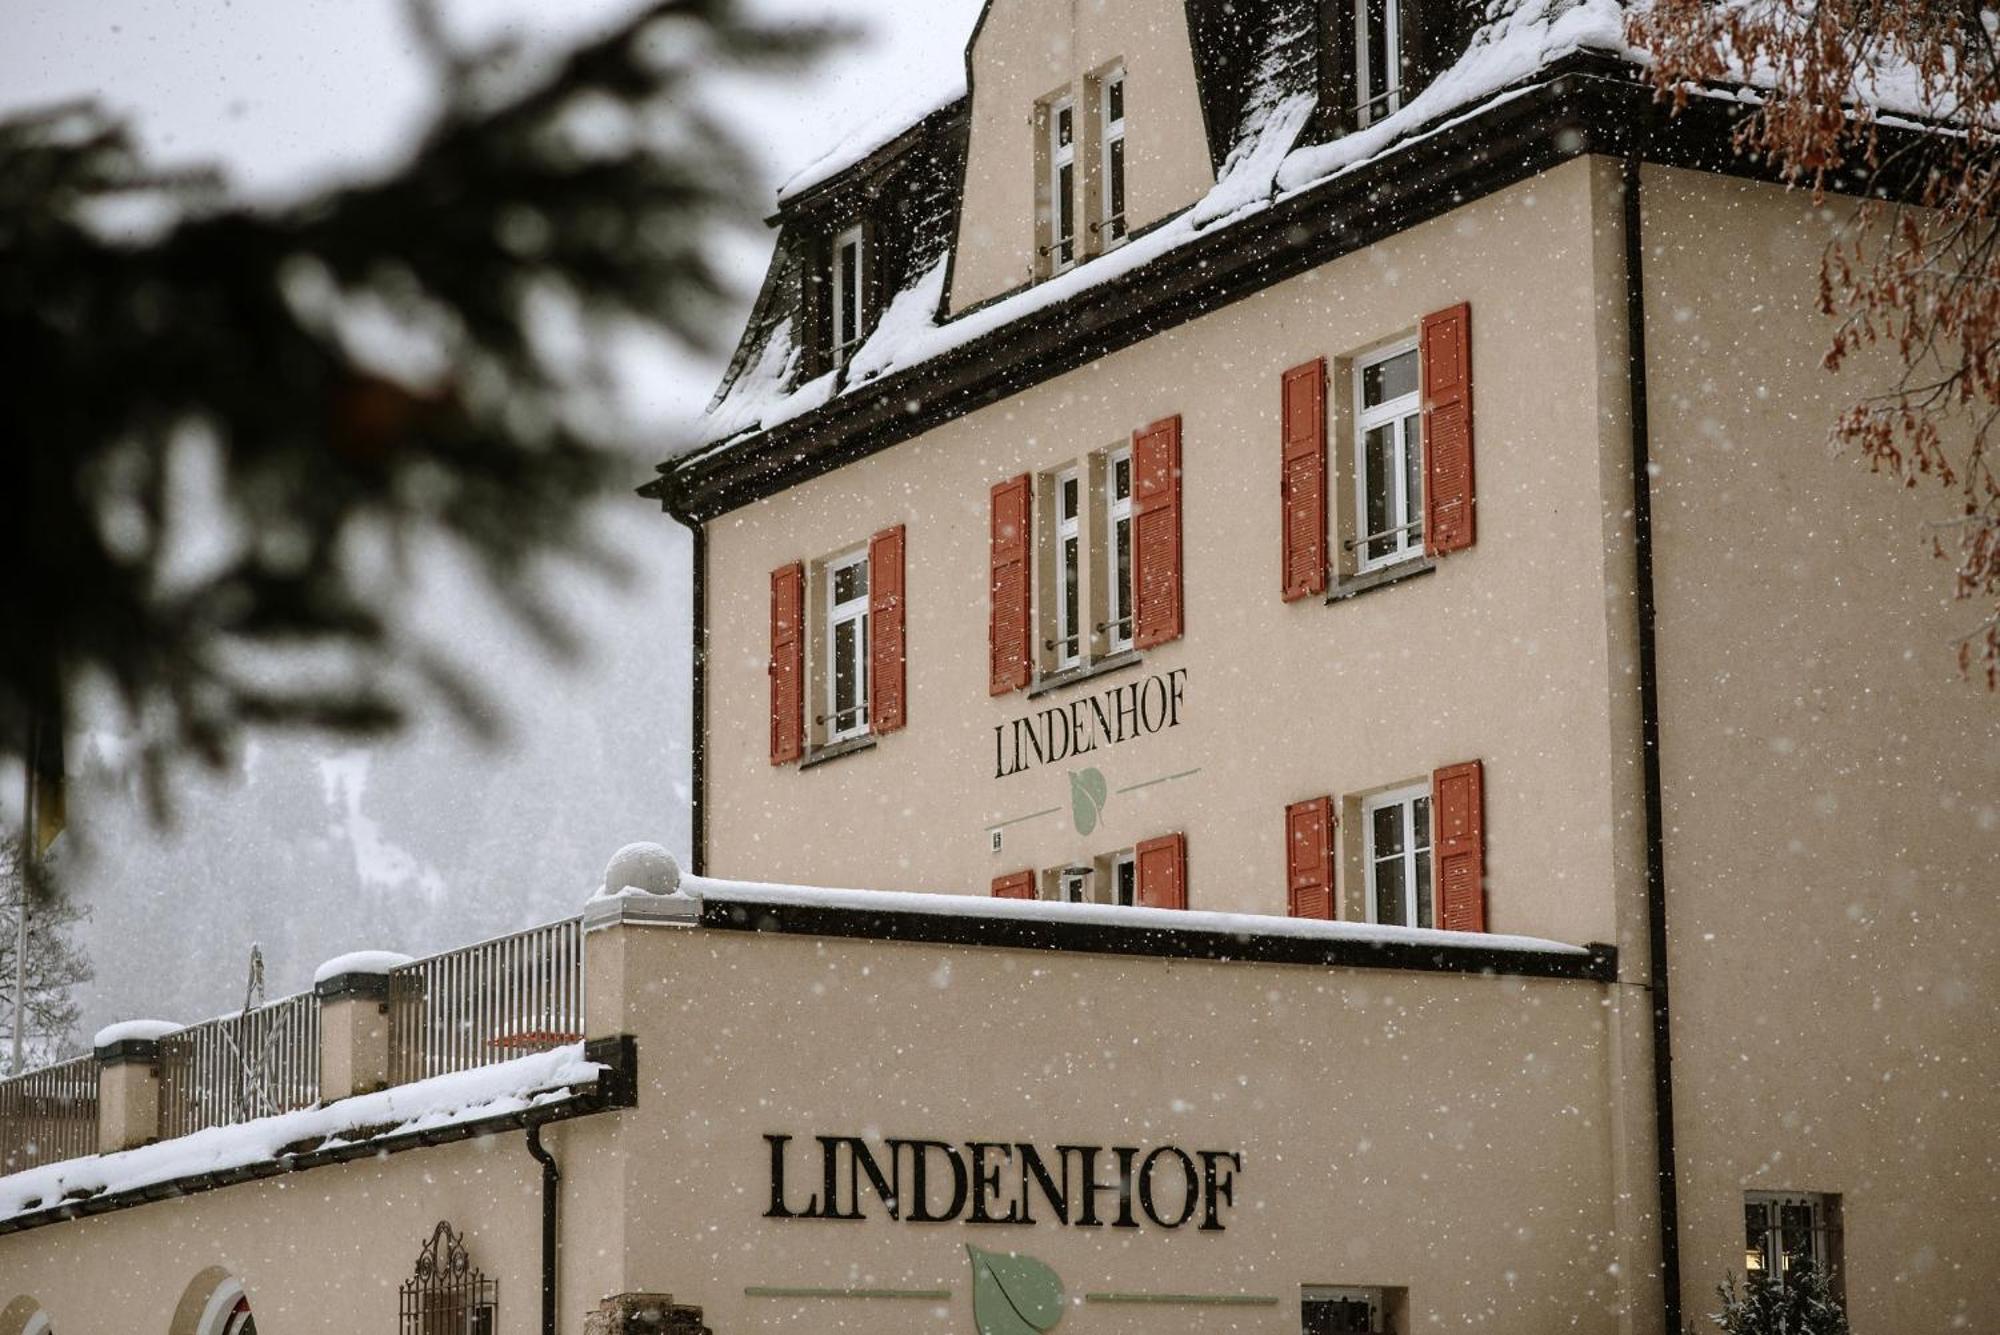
(846, 746)
(1380, 577)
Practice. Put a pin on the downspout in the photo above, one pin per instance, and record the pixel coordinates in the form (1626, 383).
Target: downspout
(1649, 735)
(551, 1182)
(698, 683)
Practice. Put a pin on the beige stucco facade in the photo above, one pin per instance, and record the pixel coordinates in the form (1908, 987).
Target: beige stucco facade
(1027, 55)
(1350, 1168)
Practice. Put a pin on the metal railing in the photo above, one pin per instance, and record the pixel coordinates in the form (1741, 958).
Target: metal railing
(239, 1067)
(48, 1114)
(487, 1003)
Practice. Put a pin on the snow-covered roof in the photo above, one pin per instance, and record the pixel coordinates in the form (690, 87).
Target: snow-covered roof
(540, 1081)
(879, 130)
(1265, 163)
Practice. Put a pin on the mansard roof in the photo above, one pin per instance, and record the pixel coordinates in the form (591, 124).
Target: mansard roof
(1536, 82)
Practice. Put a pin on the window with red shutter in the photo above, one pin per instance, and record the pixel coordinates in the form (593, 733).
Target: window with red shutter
(1445, 341)
(886, 645)
(1459, 846)
(1162, 867)
(1302, 480)
(1014, 885)
(1156, 459)
(1009, 626)
(788, 663)
(1309, 858)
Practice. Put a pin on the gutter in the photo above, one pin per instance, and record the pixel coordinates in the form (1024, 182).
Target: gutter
(1649, 751)
(551, 1186)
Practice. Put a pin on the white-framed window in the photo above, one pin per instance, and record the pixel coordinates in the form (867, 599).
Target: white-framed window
(846, 646)
(1378, 59)
(1073, 885)
(1111, 158)
(848, 294)
(1783, 1228)
(1329, 1310)
(1396, 855)
(1388, 459)
(1067, 641)
(1125, 878)
(1062, 184)
(1118, 554)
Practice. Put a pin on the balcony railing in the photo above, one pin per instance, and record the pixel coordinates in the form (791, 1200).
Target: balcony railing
(48, 1114)
(463, 1009)
(240, 1067)
(487, 1003)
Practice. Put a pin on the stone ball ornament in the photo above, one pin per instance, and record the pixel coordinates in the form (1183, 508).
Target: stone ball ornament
(646, 867)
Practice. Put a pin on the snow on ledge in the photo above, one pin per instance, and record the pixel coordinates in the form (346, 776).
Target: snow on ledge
(128, 1031)
(441, 1101)
(1110, 915)
(371, 962)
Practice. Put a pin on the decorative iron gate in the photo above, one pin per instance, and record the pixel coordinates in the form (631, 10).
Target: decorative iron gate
(445, 1295)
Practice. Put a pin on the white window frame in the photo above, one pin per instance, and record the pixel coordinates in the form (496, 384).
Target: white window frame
(1072, 884)
(1068, 530)
(1404, 415)
(1061, 156)
(1377, 1300)
(1417, 898)
(1821, 1229)
(854, 610)
(1391, 98)
(849, 306)
(1124, 888)
(1118, 612)
(1110, 227)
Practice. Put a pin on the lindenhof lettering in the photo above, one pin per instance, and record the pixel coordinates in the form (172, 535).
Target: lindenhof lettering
(1135, 709)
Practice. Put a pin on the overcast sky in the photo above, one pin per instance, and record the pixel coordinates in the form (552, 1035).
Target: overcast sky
(430, 841)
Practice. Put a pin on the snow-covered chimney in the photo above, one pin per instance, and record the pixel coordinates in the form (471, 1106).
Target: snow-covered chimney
(353, 992)
(128, 1083)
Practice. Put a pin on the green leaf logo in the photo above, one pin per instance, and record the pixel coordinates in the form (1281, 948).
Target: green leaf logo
(1013, 1294)
(1086, 797)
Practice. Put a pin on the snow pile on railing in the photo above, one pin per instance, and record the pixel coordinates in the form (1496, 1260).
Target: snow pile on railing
(447, 1100)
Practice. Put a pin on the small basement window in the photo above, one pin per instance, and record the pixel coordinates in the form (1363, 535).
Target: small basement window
(1328, 1310)
(1781, 1229)
(1396, 855)
(1389, 462)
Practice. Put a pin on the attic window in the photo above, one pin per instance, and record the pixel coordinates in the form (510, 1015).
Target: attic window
(1062, 185)
(847, 294)
(1378, 59)
(1111, 106)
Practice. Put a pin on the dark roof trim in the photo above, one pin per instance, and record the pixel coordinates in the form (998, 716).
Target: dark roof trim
(953, 929)
(1587, 103)
(616, 1088)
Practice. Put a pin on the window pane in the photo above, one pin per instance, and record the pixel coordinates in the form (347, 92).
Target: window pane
(1420, 882)
(1795, 1227)
(1128, 881)
(1065, 131)
(1389, 892)
(1114, 99)
(1378, 464)
(1069, 645)
(1117, 188)
(1069, 493)
(1380, 60)
(1388, 830)
(850, 582)
(1121, 478)
(1753, 1237)
(846, 685)
(1389, 379)
(1420, 822)
(850, 292)
(1122, 578)
(1413, 478)
(1065, 214)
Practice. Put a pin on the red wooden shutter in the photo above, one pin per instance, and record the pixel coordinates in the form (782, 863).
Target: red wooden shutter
(1302, 483)
(788, 663)
(1009, 633)
(1162, 872)
(1014, 885)
(1445, 349)
(1459, 847)
(1309, 858)
(885, 631)
(1156, 526)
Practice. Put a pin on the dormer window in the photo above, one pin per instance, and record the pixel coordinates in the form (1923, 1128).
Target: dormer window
(1378, 60)
(1111, 110)
(1062, 184)
(848, 294)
